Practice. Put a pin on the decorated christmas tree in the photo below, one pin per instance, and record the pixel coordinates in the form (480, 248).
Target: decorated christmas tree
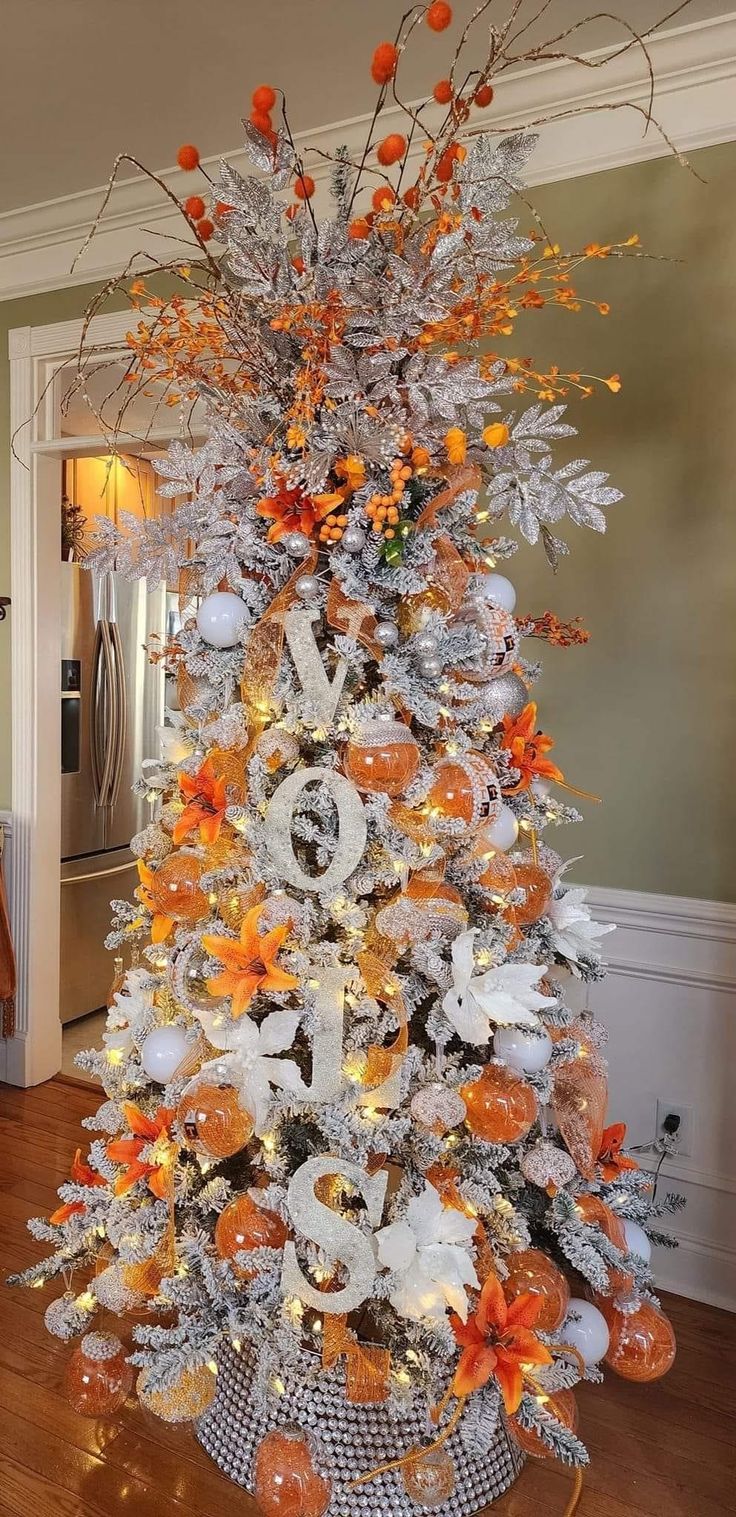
(352, 1178)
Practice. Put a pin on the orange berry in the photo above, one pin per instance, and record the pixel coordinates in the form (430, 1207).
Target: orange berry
(261, 121)
(383, 198)
(483, 94)
(384, 61)
(439, 16)
(304, 187)
(205, 228)
(391, 149)
(376, 526)
(342, 521)
(389, 533)
(405, 443)
(188, 157)
(442, 92)
(194, 207)
(335, 534)
(393, 515)
(359, 229)
(263, 98)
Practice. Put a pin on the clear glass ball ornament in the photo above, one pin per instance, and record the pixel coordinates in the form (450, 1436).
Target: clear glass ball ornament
(430, 1479)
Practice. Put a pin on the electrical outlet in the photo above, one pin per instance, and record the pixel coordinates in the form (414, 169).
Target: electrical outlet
(684, 1135)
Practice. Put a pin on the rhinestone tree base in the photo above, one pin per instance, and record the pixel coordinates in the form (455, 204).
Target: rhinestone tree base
(353, 1439)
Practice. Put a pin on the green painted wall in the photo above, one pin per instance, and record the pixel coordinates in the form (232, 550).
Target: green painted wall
(644, 714)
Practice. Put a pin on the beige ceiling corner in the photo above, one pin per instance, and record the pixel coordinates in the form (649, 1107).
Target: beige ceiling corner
(595, 129)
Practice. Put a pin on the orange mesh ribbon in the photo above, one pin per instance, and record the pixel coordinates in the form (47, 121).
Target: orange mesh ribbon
(468, 477)
(367, 1367)
(579, 1101)
(449, 571)
(352, 617)
(379, 982)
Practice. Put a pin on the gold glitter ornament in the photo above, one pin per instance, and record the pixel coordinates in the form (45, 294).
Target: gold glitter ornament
(190, 1397)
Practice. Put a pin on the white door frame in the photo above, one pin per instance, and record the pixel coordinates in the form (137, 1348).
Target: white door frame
(34, 1053)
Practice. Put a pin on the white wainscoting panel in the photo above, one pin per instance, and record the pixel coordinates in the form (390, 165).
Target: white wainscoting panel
(668, 1003)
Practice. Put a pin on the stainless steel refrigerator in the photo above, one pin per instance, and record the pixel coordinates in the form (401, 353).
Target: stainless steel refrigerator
(112, 699)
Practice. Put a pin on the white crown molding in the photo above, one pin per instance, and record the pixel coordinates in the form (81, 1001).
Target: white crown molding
(695, 103)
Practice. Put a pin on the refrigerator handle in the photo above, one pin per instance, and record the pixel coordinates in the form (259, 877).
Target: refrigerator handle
(96, 716)
(119, 731)
(105, 715)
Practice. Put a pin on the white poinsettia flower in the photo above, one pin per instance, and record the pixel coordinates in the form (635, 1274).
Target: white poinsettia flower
(175, 738)
(429, 1250)
(504, 995)
(574, 932)
(247, 1060)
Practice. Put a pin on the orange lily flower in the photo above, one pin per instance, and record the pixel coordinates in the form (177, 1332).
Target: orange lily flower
(497, 1342)
(161, 925)
(527, 748)
(83, 1174)
(127, 1151)
(293, 511)
(207, 801)
(250, 962)
(610, 1158)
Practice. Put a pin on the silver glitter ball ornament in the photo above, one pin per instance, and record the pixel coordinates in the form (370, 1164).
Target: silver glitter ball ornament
(425, 643)
(506, 695)
(386, 634)
(353, 540)
(307, 587)
(430, 667)
(296, 544)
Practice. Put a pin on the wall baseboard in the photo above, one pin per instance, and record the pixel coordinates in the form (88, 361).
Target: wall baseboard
(585, 128)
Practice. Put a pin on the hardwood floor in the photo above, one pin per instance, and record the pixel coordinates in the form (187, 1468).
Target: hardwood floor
(667, 1450)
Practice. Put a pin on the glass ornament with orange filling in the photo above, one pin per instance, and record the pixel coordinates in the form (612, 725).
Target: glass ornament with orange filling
(243, 1226)
(286, 1481)
(563, 1407)
(175, 889)
(532, 1270)
(498, 641)
(382, 756)
(213, 1121)
(537, 887)
(465, 789)
(98, 1378)
(501, 1106)
(642, 1343)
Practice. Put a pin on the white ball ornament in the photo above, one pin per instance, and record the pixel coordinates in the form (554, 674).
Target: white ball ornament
(501, 833)
(162, 1052)
(498, 588)
(386, 634)
(220, 619)
(637, 1241)
(307, 587)
(525, 1052)
(586, 1330)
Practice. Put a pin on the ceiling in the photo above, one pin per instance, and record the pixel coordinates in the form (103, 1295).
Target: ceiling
(81, 80)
